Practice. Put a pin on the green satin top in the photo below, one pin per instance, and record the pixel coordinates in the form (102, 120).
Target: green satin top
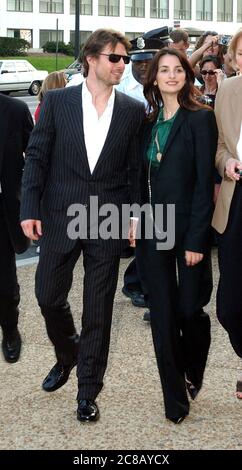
(160, 132)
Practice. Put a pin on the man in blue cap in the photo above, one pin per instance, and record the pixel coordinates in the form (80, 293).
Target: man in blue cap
(142, 52)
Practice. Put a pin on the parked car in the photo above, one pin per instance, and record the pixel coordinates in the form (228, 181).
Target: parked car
(72, 69)
(19, 74)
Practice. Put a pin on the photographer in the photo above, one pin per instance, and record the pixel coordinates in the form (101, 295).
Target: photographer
(207, 44)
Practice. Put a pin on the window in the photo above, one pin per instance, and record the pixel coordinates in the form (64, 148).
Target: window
(26, 34)
(239, 11)
(84, 35)
(108, 7)
(204, 10)
(159, 8)
(85, 7)
(24, 66)
(20, 5)
(182, 9)
(225, 10)
(10, 67)
(131, 36)
(135, 8)
(49, 35)
(51, 6)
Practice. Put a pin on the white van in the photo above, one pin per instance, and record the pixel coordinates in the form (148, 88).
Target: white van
(19, 74)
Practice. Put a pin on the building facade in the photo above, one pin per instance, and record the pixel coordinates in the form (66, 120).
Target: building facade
(36, 20)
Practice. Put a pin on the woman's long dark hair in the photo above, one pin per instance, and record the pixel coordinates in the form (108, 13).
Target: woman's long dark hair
(186, 96)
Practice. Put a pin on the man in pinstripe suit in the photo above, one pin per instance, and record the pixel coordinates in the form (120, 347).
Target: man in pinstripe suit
(85, 144)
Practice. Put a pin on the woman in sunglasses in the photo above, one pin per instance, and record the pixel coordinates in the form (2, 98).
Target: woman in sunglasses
(212, 76)
(227, 218)
(207, 45)
(179, 142)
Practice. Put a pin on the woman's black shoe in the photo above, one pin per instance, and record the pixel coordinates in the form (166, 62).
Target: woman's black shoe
(192, 390)
(178, 420)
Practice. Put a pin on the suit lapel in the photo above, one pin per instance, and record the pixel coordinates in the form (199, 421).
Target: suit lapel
(181, 115)
(74, 121)
(115, 129)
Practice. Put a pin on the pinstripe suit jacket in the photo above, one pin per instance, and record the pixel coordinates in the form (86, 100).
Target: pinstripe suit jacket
(57, 172)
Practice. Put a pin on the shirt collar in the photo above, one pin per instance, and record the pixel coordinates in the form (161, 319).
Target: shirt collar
(133, 83)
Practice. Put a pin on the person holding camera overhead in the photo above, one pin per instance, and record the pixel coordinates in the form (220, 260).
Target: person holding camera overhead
(227, 216)
(178, 170)
(209, 43)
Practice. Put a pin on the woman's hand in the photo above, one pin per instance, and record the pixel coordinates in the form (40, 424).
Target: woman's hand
(220, 75)
(132, 231)
(230, 169)
(193, 258)
(209, 42)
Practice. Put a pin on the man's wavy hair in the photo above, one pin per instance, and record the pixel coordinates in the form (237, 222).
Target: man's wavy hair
(186, 96)
(98, 40)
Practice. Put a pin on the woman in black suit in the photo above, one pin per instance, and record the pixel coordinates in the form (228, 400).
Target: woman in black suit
(179, 142)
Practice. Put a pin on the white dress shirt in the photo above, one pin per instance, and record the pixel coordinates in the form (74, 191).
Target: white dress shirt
(76, 79)
(95, 128)
(131, 87)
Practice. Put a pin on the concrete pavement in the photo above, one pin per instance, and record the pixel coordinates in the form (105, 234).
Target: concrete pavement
(131, 408)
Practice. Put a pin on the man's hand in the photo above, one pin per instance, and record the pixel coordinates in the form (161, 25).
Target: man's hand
(32, 229)
(231, 165)
(193, 258)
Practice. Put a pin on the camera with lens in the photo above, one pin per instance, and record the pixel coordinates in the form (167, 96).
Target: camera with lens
(204, 99)
(224, 40)
(239, 172)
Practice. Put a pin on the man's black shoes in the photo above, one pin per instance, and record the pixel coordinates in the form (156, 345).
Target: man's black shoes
(11, 346)
(87, 411)
(58, 376)
(137, 297)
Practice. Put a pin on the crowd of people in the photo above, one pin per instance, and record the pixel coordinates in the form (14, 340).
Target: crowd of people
(160, 142)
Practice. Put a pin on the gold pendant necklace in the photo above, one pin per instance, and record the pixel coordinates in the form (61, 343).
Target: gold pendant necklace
(169, 114)
(159, 154)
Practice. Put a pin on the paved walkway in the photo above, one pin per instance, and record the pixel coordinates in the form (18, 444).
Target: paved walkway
(132, 415)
